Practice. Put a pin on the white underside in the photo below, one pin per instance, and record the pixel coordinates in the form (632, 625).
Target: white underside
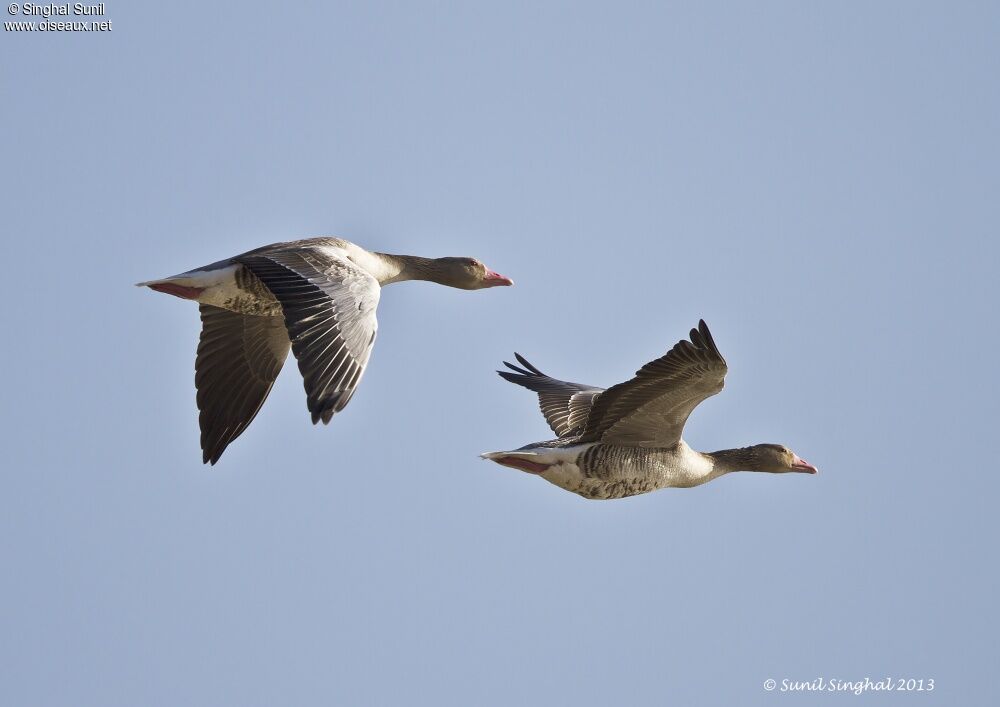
(682, 467)
(562, 471)
(218, 286)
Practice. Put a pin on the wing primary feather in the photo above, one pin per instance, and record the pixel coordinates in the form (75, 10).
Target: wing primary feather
(239, 357)
(329, 311)
(512, 367)
(651, 409)
(524, 362)
(555, 397)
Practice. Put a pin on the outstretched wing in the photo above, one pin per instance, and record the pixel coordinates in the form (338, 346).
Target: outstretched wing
(565, 405)
(329, 307)
(650, 410)
(239, 356)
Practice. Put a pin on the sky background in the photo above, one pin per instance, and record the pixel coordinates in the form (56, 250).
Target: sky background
(820, 183)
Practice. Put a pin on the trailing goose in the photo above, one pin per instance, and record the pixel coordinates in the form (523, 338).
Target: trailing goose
(317, 296)
(626, 440)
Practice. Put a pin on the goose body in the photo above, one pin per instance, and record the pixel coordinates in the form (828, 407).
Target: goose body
(626, 440)
(606, 471)
(317, 297)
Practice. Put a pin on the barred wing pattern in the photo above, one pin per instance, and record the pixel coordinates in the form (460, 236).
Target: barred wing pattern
(239, 356)
(650, 410)
(329, 310)
(565, 405)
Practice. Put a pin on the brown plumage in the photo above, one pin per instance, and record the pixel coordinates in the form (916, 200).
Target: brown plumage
(626, 440)
(317, 296)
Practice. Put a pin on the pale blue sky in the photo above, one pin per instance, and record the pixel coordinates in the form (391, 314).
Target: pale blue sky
(820, 183)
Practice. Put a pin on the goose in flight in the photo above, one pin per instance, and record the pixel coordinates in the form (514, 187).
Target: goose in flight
(626, 440)
(317, 296)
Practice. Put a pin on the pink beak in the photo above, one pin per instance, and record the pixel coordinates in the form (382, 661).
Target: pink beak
(801, 465)
(495, 279)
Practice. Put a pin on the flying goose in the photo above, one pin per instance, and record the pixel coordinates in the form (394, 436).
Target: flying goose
(626, 440)
(316, 295)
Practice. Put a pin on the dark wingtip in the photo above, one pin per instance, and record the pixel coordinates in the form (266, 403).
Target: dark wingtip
(702, 337)
(524, 362)
(323, 415)
(334, 406)
(709, 340)
(518, 369)
(211, 450)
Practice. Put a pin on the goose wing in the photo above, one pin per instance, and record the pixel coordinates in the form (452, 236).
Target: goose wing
(650, 409)
(329, 306)
(565, 405)
(239, 356)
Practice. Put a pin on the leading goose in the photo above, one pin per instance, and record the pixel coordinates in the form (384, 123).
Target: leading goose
(626, 440)
(317, 296)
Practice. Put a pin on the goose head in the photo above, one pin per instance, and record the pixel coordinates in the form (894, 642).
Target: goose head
(777, 459)
(467, 274)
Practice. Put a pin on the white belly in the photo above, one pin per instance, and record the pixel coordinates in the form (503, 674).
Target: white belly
(604, 472)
